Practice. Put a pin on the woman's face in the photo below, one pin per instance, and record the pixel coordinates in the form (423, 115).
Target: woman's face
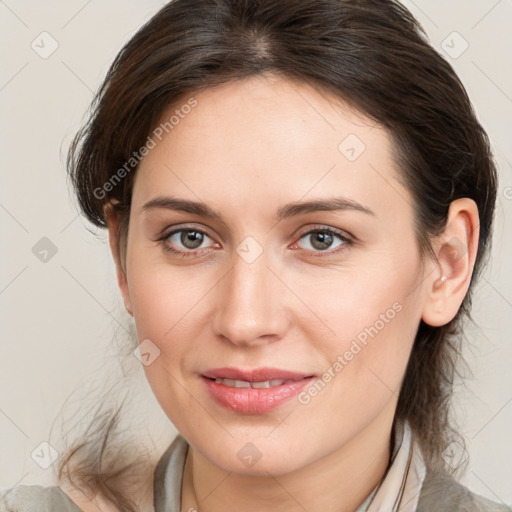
(257, 287)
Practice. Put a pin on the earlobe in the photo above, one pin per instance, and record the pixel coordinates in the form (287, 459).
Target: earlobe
(456, 250)
(113, 224)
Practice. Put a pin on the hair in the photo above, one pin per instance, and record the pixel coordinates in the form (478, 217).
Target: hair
(372, 54)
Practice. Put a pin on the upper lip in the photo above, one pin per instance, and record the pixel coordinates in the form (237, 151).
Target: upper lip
(254, 374)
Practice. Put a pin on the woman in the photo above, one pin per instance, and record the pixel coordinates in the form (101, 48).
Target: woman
(299, 199)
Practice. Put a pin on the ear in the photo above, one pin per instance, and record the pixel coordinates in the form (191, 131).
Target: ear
(112, 218)
(456, 250)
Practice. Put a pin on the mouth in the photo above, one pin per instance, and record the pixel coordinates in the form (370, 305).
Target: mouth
(254, 391)
(255, 385)
(255, 375)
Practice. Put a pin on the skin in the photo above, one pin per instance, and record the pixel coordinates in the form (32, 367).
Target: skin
(245, 150)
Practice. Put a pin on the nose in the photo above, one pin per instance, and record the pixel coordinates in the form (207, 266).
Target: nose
(250, 304)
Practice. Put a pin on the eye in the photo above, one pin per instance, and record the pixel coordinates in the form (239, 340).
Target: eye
(188, 241)
(325, 240)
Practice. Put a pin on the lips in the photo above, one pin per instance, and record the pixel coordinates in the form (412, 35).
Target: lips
(255, 391)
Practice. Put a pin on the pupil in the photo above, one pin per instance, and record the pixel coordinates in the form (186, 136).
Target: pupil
(191, 239)
(322, 240)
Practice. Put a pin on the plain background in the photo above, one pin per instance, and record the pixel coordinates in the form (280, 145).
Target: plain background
(58, 316)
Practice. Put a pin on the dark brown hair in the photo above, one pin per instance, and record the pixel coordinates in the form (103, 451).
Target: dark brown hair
(372, 54)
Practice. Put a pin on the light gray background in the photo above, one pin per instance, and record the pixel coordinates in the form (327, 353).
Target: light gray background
(58, 317)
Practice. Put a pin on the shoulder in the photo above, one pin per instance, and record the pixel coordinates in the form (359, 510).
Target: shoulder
(36, 498)
(441, 492)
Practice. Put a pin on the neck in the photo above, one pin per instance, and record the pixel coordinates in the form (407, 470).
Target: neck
(339, 482)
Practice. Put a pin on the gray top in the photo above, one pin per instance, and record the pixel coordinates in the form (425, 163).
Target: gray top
(36, 498)
(438, 493)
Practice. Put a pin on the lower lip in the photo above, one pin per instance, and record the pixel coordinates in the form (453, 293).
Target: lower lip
(253, 400)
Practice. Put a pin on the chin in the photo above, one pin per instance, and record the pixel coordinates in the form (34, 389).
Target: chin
(258, 458)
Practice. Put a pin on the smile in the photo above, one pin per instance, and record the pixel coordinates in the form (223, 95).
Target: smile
(256, 391)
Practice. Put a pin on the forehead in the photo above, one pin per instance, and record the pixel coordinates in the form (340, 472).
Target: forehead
(265, 138)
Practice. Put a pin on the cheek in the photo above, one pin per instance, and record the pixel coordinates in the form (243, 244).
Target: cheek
(359, 304)
(372, 322)
(170, 308)
(164, 307)
(162, 297)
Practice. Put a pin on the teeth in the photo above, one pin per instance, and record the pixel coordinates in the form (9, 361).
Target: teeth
(265, 384)
(247, 384)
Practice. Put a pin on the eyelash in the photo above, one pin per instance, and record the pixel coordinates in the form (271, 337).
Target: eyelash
(347, 241)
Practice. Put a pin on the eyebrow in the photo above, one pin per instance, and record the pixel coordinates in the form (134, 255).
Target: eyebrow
(288, 210)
